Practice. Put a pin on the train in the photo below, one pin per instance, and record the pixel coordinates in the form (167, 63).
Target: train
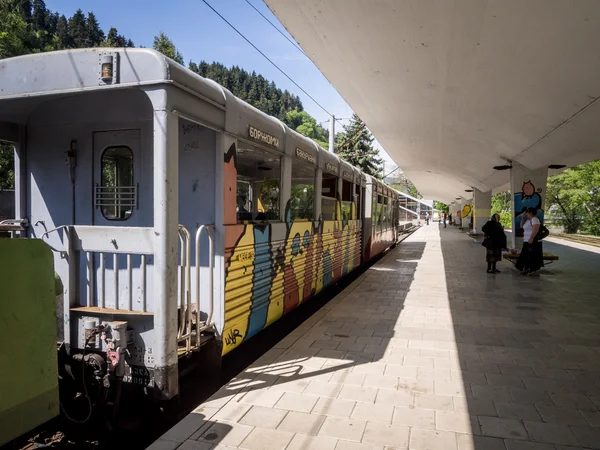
(178, 215)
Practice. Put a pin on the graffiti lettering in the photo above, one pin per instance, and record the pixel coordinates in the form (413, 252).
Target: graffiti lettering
(189, 146)
(232, 337)
(245, 256)
(189, 127)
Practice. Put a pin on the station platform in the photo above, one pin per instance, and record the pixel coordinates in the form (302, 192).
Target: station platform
(426, 351)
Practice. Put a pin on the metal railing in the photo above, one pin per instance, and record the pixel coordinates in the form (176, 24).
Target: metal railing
(186, 329)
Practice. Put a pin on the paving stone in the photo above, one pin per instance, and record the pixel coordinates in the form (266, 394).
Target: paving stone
(355, 379)
(496, 393)
(479, 407)
(384, 434)
(455, 388)
(266, 439)
(341, 428)
(568, 400)
(414, 417)
(432, 440)
(226, 433)
(359, 394)
(195, 445)
(297, 422)
(563, 415)
(296, 402)
(502, 428)
(305, 442)
(401, 398)
(592, 417)
(373, 412)
(259, 416)
(459, 422)
(429, 401)
(348, 445)
(412, 385)
(398, 370)
(551, 433)
(469, 442)
(587, 436)
(187, 427)
(321, 389)
(522, 445)
(334, 407)
(495, 379)
(528, 397)
(517, 411)
(381, 381)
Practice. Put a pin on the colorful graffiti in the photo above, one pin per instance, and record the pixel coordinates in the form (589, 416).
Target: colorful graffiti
(466, 211)
(529, 197)
(272, 268)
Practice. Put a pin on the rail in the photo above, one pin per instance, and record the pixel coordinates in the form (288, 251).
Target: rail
(184, 331)
(211, 254)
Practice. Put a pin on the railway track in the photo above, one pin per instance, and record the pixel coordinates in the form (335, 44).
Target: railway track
(582, 239)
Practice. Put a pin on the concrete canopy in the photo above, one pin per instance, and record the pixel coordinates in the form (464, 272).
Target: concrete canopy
(451, 88)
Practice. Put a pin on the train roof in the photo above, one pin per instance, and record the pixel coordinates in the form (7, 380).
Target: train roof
(25, 80)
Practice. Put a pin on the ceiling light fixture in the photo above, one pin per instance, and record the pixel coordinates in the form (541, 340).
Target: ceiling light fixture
(503, 167)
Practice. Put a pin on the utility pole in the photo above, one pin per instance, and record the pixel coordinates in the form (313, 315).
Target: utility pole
(332, 134)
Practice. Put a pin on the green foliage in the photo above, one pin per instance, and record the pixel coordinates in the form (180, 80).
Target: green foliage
(573, 198)
(257, 91)
(357, 147)
(506, 219)
(442, 207)
(14, 33)
(7, 173)
(163, 44)
(307, 125)
(501, 202)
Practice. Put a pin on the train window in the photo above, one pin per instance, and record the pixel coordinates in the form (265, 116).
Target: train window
(357, 199)
(117, 195)
(379, 212)
(328, 196)
(258, 184)
(302, 197)
(347, 188)
(385, 219)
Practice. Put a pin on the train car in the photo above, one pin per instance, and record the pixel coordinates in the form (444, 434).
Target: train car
(179, 215)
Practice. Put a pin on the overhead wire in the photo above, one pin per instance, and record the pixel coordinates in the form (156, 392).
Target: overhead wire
(266, 57)
(276, 28)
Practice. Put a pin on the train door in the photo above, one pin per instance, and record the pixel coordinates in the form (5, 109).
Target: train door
(117, 176)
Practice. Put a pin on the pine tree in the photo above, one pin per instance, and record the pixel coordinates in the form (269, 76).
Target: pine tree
(62, 38)
(358, 149)
(95, 35)
(163, 44)
(78, 30)
(39, 19)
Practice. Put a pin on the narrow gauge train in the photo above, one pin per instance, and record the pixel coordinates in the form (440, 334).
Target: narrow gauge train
(177, 213)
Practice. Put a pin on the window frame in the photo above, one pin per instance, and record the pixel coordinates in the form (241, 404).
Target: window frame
(133, 193)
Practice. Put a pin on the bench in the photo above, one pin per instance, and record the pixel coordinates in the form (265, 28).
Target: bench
(548, 257)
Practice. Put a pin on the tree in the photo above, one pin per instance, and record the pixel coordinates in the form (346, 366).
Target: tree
(95, 35)
(441, 206)
(306, 125)
(78, 30)
(163, 44)
(62, 39)
(14, 35)
(573, 198)
(39, 18)
(358, 149)
(7, 165)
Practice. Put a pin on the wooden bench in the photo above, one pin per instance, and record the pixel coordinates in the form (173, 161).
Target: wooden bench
(548, 257)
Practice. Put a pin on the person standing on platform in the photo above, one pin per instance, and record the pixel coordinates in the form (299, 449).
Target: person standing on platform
(450, 219)
(444, 220)
(531, 258)
(494, 242)
(427, 217)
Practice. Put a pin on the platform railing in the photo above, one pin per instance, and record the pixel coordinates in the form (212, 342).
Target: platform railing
(201, 326)
(184, 331)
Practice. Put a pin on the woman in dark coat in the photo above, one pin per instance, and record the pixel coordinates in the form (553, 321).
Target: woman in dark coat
(495, 241)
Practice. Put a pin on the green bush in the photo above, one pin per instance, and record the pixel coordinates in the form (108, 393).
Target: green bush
(506, 219)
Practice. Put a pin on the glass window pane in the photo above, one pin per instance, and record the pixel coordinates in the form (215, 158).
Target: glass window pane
(116, 196)
(328, 196)
(302, 195)
(258, 184)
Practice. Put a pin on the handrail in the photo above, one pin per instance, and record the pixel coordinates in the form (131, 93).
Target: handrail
(62, 252)
(185, 301)
(211, 254)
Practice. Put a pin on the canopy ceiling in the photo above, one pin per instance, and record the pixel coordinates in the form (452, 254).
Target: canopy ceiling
(451, 88)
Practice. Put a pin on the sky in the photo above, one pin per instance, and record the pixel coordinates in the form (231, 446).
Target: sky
(199, 34)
